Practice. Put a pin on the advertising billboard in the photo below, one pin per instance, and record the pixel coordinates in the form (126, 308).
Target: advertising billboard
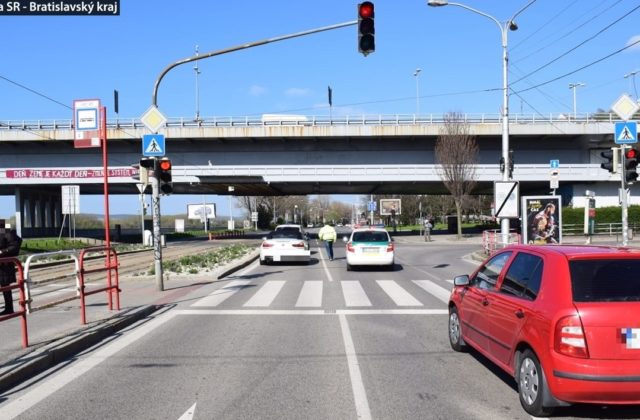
(197, 211)
(389, 204)
(541, 219)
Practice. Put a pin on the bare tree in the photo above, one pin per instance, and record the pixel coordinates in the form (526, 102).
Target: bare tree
(457, 153)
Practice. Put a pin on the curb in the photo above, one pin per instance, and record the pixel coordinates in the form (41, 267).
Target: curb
(34, 362)
(242, 263)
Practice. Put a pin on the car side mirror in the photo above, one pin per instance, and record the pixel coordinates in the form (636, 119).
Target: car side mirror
(345, 239)
(462, 280)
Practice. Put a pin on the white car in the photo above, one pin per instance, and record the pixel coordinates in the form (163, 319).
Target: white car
(370, 246)
(287, 243)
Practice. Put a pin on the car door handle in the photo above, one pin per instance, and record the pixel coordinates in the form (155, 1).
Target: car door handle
(519, 314)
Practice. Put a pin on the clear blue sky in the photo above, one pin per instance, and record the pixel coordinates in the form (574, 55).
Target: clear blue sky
(459, 52)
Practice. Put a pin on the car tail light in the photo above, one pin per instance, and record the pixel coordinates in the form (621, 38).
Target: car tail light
(267, 244)
(569, 338)
(298, 245)
(350, 247)
(390, 247)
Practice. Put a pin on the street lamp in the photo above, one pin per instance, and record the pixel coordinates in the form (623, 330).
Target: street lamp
(416, 74)
(574, 86)
(633, 76)
(504, 27)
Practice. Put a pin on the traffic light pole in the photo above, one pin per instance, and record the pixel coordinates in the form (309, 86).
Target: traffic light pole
(157, 246)
(623, 196)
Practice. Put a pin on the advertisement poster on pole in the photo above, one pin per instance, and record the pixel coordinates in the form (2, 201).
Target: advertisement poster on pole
(198, 211)
(541, 219)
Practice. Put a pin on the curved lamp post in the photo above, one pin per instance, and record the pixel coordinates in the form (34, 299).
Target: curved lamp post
(509, 25)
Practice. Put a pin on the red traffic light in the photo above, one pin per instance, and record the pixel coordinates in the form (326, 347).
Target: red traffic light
(631, 154)
(365, 10)
(165, 165)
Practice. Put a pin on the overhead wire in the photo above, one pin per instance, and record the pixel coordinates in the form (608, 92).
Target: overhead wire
(547, 22)
(582, 68)
(579, 45)
(566, 34)
(20, 85)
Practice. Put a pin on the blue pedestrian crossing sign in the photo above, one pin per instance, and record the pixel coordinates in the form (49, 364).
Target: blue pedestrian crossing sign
(626, 132)
(153, 145)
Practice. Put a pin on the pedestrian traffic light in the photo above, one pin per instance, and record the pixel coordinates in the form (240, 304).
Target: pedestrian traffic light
(611, 156)
(511, 164)
(144, 167)
(163, 174)
(366, 29)
(630, 164)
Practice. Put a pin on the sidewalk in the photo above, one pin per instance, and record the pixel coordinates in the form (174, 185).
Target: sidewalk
(56, 333)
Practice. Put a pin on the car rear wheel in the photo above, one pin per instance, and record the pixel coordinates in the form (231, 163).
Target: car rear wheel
(532, 385)
(455, 333)
(263, 262)
(349, 268)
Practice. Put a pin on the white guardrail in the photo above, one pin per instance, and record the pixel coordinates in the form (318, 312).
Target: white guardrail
(319, 120)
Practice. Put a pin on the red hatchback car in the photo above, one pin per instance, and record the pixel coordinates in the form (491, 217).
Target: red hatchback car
(564, 321)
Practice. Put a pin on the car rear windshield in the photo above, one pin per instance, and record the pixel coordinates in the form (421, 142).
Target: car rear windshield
(370, 237)
(286, 234)
(605, 280)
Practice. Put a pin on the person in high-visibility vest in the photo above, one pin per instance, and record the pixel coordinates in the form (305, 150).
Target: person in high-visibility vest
(328, 235)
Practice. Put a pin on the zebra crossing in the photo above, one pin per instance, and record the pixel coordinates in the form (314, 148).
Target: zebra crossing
(250, 294)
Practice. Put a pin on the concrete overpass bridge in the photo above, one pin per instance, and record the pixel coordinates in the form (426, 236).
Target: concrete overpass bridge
(290, 155)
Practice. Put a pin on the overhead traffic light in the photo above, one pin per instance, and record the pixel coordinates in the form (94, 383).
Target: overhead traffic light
(630, 164)
(163, 174)
(611, 156)
(366, 29)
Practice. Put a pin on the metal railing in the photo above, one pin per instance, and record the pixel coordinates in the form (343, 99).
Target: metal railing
(318, 120)
(113, 287)
(27, 269)
(22, 312)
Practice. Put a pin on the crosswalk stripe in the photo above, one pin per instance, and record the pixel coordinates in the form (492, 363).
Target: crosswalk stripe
(400, 296)
(267, 293)
(354, 294)
(310, 295)
(222, 294)
(437, 291)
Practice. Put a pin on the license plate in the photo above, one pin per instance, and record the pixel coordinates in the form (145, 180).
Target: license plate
(370, 250)
(631, 337)
(276, 258)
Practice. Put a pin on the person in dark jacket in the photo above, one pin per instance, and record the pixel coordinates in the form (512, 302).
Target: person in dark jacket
(9, 247)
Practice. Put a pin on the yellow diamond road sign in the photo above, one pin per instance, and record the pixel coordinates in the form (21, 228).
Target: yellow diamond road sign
(153, 119)
(625, 107)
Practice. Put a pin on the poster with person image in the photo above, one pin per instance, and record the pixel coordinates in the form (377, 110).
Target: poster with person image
(541, 219)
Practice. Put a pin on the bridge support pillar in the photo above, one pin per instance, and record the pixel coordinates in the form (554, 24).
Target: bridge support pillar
(38, 213)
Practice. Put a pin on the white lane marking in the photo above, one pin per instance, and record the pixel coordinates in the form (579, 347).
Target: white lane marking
(359, 393)
(324, 262)
(188, 415)
(267, 293)
(392, 312)
(400, 296)
(437, 291)
(259, 312)
(310, 295)
(78, 368)
(222, 294)
(354, 294)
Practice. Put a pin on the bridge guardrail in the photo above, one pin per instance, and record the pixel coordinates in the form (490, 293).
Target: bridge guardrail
(319, 120)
